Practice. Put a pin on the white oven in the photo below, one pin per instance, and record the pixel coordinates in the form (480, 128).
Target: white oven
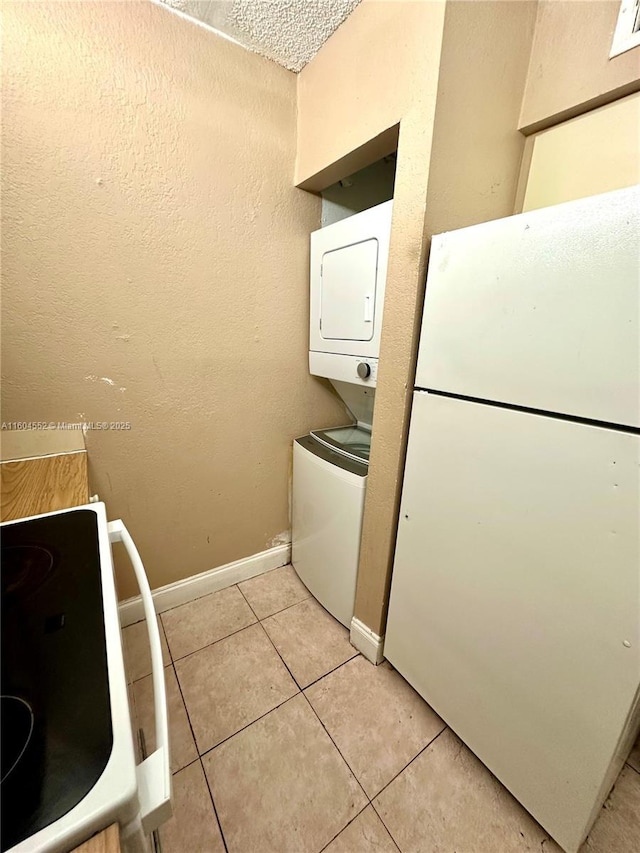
(69, 767)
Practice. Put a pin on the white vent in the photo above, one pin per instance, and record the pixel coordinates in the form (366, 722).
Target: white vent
(627, 33)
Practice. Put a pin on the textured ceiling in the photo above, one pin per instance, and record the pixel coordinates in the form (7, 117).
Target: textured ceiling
(290, 32)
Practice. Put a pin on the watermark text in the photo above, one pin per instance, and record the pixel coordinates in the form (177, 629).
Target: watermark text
(66, 425)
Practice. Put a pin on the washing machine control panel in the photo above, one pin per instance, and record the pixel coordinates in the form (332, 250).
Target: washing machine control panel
(358, 370)
(367, 370)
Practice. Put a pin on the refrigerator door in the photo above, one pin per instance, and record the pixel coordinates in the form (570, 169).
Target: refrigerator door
(540, 310)
(514, 606)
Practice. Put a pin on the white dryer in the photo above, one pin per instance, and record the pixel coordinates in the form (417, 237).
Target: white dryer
(348, 277)
(330, 467)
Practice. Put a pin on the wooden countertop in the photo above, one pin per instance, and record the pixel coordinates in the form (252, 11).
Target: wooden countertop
(107, 841)
(41, 471)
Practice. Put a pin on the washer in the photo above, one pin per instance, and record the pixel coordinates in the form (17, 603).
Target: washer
(330, 470)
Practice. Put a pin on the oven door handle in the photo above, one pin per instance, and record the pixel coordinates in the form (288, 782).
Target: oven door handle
(154, 773)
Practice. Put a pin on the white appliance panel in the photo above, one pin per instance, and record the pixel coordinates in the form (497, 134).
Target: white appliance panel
(328, 504)
(540, 310)
(349, 292)
(136, 797)
(514, 606)
(343, 368)
(348, 274)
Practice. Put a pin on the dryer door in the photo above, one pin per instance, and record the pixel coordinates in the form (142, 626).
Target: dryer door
(348, 275)
(347, 307)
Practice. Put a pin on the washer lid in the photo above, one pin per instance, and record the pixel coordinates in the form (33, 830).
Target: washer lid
(353, 441)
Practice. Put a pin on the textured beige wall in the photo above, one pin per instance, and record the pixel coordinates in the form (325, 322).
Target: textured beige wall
(347, 95)
(587, 155)
(570, 70)
(364, 79)
(472, 174)
(477, 147)
(155, 271)
(456, 90)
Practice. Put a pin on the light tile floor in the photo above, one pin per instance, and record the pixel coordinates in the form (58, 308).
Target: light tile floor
(286, 740)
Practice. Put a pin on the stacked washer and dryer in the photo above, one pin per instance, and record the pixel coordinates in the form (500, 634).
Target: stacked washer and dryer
(330, 467)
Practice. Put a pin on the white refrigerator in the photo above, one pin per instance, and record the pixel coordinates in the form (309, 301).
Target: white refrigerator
(515, 605)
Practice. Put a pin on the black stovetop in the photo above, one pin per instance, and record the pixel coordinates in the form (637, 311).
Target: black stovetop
(56, 717)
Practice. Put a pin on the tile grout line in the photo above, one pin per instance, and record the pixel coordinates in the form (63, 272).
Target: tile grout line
(295, 680)
(300, 690)
(199, 757)
(186, 711)
(135, 725)
(320, 677)
(189, 764)
(213, 803)
(282, 609)
(204, 595)
(344, 827)
(148, 675)
(247, 603)
(166, 638)
(350, 769)
(266, 713)
(279, 705)
(277, 612)
(356, 654)
(219, 640)
(385, 825)
(408, 764)
(373, 805)
(244, 728)
(164, 634)
(231, 634)
(302, 693)
(299, 693)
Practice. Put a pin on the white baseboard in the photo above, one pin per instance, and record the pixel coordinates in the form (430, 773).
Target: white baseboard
(366, 641)
(180, 592)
